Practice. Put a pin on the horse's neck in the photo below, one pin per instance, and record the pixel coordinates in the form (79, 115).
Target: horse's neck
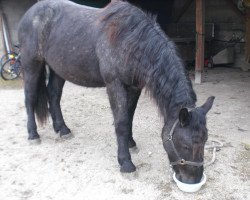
(171, 89)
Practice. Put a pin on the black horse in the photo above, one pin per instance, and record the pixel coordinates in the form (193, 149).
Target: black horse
(124, 49)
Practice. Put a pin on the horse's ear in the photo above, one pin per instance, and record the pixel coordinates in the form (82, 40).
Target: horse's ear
(208, 104)
(184, 117)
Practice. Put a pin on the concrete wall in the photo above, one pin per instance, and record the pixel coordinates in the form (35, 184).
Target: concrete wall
(13, 10)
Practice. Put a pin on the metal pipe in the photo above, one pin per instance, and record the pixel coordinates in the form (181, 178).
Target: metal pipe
(5, 34)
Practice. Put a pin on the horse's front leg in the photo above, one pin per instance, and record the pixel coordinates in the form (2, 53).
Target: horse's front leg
(55, 87)
(133, 96)
(118, 97)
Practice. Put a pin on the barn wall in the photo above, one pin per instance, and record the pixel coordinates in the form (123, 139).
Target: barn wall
(227, 25)
(217, 12)
(13, 10)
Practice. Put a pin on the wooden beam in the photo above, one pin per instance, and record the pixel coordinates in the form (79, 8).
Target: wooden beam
(200, 36)
(236, 10)
(247, 44)
(183, 10)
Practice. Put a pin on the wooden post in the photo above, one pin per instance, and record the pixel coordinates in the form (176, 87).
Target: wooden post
(200, 37)
(247, 44)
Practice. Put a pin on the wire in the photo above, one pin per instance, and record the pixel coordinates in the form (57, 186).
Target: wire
(216, 145)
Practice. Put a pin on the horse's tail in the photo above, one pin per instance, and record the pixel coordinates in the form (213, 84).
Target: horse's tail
(41, 104)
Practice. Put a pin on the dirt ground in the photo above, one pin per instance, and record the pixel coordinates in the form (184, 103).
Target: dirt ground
(85, 167)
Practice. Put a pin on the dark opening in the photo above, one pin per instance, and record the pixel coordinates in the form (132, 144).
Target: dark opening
(161, 8)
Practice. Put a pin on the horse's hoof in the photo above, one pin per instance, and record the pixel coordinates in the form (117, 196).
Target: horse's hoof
(67, 136)
(131, 143)
(64, 131)
(127, 167)
(36, 141)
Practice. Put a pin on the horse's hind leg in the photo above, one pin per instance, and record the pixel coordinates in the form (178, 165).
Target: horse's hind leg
(55, 87)
(35, 95)
(118, 97)
(133, 96)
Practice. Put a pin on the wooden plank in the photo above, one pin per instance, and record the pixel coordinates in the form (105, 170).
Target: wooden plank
(183, 10)
(200, 35)
(236, 10)
(247, 44)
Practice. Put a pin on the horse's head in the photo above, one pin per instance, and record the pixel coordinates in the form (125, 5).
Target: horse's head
(184, 142)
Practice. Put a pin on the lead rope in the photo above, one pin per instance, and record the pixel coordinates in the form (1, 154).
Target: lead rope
(216, 145)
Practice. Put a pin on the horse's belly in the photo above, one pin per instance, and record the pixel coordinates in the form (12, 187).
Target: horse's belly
(81, 75)
(85, 81)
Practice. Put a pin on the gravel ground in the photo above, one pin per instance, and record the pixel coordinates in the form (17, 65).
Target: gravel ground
(85, 167)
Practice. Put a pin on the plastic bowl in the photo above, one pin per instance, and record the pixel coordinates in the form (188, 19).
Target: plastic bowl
(190, 187)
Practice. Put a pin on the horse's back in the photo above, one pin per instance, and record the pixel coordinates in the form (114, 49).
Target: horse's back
(47, 15)
(80, 43)
(66, 39)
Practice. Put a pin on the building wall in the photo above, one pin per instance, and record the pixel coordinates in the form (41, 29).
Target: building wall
(13, 10)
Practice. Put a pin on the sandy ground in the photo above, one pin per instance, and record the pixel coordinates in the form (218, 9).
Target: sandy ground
(85, 167)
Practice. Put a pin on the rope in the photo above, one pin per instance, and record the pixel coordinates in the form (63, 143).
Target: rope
(216, 145)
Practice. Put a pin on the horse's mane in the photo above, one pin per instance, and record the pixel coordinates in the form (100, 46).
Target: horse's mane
(157, 63)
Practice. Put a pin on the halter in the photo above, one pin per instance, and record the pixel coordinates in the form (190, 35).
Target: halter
(180, 160)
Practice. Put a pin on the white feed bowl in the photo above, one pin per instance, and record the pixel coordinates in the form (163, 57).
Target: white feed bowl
(190, 187)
